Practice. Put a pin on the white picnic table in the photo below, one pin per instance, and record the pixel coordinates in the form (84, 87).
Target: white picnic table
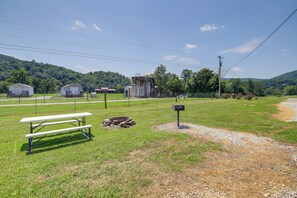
(77, 120)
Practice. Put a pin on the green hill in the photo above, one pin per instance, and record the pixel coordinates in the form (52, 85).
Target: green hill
(281, 81)
(48, 78)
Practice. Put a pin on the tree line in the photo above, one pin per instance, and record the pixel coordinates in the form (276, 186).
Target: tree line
(202, 82)
(47, 78)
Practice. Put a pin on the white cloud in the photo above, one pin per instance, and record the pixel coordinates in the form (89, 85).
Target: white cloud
(237, 69)
(97, 28)
(78, 25)
(208, 27)
(181, 60)
(284, 52)
(245, 48)
(190, 46)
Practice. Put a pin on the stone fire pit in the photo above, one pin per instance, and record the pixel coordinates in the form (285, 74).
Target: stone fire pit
(122, 122)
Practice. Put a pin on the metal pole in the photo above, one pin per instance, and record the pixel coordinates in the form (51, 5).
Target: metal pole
(35, 105)
(220, 66)
(105, 104)
(74, 104)
(43, 97)
(177, 118)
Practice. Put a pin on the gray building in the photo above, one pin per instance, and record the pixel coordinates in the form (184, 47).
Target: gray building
(72, 90)
(20, 89)
(143, 86)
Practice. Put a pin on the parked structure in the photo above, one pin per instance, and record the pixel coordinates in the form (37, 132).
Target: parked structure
(128, 91)
(72, 90)
(105, 90)
(143, 86)
(20, 89)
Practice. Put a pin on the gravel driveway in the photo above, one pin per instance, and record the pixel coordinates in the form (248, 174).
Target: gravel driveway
(291, 103)
(248, 166)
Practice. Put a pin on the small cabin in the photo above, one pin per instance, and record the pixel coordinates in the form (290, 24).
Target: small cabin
(20, 89)
(128, 91)
(72, 90)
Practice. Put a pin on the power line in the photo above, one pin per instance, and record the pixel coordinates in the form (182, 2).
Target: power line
(69, 53)
(266, 38)
(77, 45)
(76, 54)
(87, 36)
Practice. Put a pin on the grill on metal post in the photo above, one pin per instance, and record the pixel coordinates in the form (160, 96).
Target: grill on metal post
(178, 108)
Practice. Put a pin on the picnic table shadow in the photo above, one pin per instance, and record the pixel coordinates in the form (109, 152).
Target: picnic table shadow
(55, 142)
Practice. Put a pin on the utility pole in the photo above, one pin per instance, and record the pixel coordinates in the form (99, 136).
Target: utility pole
(220, 66)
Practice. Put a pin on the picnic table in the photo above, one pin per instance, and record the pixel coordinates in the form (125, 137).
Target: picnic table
(76, 120)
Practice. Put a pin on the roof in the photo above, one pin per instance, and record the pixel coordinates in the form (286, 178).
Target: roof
(73, 85)
(143, 78)
(20, 84)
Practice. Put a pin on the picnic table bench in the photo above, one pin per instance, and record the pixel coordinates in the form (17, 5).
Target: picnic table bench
(76, 120)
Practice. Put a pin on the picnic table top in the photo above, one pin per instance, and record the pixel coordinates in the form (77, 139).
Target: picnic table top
(55, 117)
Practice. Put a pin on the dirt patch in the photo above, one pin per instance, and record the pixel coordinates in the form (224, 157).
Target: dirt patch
(250, 166)
(284, 113)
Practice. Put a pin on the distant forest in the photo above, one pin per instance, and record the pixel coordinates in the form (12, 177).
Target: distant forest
(47, 78)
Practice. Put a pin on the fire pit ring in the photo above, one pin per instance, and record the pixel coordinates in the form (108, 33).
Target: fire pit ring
(122, 122)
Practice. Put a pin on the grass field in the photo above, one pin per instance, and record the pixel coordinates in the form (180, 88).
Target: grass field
(123, 162)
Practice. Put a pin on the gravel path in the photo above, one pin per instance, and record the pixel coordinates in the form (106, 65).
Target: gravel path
(248, 166)
(291, 103)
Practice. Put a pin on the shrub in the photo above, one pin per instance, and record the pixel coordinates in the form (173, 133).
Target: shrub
(239, 96)
(233, 95)
(226, 95)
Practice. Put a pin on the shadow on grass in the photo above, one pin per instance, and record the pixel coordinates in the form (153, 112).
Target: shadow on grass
(55, 142)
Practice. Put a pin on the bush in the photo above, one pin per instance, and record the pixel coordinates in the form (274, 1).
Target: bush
(233, 95)
(226, 95)
(249, 96)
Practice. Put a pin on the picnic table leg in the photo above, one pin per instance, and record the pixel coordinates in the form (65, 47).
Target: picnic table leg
(30, 139)
(89, 134)
(83, 121)
(30, 145)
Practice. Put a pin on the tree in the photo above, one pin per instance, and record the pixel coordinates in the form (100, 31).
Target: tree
(19, 76)
(290, 90)
(251, 86)
(3, 86)
(213, 83)
(186, 76)
(259, 89)
(175, 85)
(237, 86)
(48, 86)
(200, 81)
(226, 86)
(161, 78)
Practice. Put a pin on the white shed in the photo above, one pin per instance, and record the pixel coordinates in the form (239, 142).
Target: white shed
(20, 89)
(72, 90)
(128, 92)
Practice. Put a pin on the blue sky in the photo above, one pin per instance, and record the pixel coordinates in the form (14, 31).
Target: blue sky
(135, 36)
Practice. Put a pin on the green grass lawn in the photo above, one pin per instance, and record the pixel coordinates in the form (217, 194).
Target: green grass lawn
(121, 162)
